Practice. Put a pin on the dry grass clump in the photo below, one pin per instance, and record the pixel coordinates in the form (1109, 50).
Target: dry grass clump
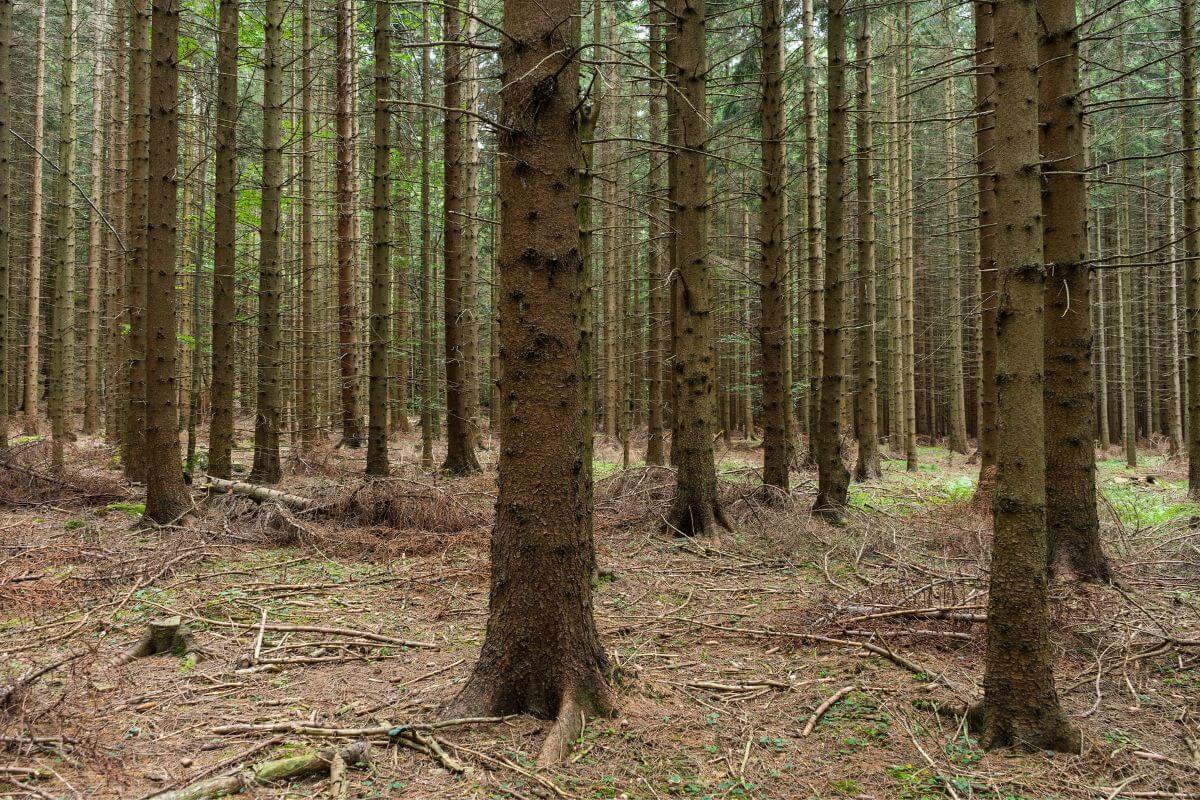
(406, 505)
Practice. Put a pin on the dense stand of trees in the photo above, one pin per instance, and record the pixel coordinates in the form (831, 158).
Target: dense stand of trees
(663, 225)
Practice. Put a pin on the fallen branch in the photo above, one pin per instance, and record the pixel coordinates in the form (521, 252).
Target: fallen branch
(285, 627)
(262, 494)
(825, 706)
(9, 693)
(281, 769)
(377, 730)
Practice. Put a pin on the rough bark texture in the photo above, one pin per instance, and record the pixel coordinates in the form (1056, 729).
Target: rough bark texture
(1191, 246)
(91, 392)
(812, 232)
(267, 415)
(62, 328)
(33, 276)
(167, 497)
(6, 32)
(428, 378)
(695, 510)
(656, 234)
(541, 653)
(958, 409)
(134, 455)
(866, 412)
(772, 232)
(347, 313)
(833, 479)
(985, 137)
(1020, 706)
(307, 401)
(1072, 522)
(460, 449)
(381, 253)
(220, 434)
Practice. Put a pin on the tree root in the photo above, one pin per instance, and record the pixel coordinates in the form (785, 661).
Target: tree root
(167, 635)
(1027, 732)
(686, 520)
(281, 769)
(566, 730)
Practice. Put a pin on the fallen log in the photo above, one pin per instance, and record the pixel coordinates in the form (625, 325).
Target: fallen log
(262, 494)
(281, 769)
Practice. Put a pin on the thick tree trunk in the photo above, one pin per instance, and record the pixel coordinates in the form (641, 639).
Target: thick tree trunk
(460, 449)
(167, 497)
(1072, 522)
(116, 387)
(772, 232)
(1191, 242)
(695, 510)
(541, 654)
(308, 255)
(33, 279)
(1020, 707)
(267, 468)
(957, 396)
(866, 412)
(220, 433)
(833, 479)
(381, 253)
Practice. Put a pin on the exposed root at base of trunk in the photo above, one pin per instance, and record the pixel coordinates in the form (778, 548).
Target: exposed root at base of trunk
(1029, 731)
(687, 520)
(163, 636)
(481, 697)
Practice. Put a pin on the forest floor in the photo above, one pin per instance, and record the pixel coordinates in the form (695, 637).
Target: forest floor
(717, 644)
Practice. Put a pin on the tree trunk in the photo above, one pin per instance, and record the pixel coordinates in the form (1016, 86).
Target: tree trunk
(220, 432)
(812, 230)
(381, 253)
(772, 234)
(33, 280)
(266, 468)
(695, 510)
(866, 399)
(985, 156)
(656, 233)
(6, 43)
(135, 454)
(1191, 242)
(347, 311)
(62, 328)
(954, 350)
(428, 379)
(1020, 707)
(460, 449)
(308, 256)
(116, 387)
(541, 654)
(833, 479)
(1072, 522)
(92, 396)
(167, 497)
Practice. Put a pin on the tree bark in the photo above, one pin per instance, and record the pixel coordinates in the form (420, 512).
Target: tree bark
(428, 378)
(695, 510)
(347, 327)
(267, 468)
(33, 280)
(1191, 242)
(812, 231)
(957, 439)
(92, 396)
(833, 479)
(1020, 706)
(1072, 522)
(167, 497)
(134, 457)
(220, 432)
(6, 44)
(655, 322)
(460, 450)
(381, 253)
(772, 234)
(866, 399)
(985, 137)
(62, 327)
(541, 653)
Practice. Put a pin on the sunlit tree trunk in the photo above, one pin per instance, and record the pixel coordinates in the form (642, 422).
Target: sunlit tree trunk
(33, 280)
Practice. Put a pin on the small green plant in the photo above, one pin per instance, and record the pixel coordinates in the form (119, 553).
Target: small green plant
(73, 524)
(132, 509)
